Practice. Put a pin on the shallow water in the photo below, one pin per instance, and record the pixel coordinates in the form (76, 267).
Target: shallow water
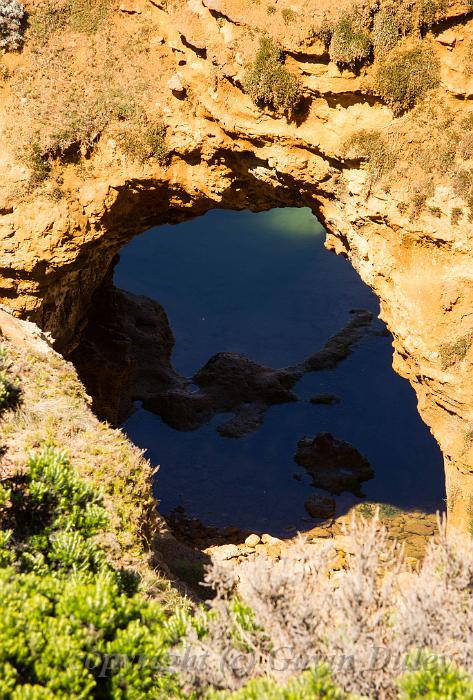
(265, 286)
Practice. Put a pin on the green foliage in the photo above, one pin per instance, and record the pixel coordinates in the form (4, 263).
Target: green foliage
(288, 15)
(436, 679)
(371, 146)
(350, 44)
(386, 32)
(405, 76)
(9, 391)
(451, 353)
(269, 83)
(71, 625)
(431, 11)
(315, 684)
(39, 164)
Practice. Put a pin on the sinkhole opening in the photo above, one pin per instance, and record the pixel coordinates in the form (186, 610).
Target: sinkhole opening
(249, 362)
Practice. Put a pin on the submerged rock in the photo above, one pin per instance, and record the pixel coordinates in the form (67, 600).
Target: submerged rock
(320, 506)
(326, 399)
(334, 465)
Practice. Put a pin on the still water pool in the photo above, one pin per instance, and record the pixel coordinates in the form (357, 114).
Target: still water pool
(264, 285)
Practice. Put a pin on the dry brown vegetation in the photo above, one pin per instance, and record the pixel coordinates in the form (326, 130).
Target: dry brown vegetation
(290, 616)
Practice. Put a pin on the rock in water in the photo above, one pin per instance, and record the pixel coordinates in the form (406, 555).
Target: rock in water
(320, 506)
(334, 465)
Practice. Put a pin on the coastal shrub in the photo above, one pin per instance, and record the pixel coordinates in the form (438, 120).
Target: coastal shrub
(289, 617)
(431, 11)
(11, 18)
(9, 391)
(406, 75)
(314, 684)
(370, 145)
(71, 624)
(39, 164)
(451, 353)
(436, 679)
(350, 44)
(288, 15)
(325, 32)
(386, 33)
(144, 140)
(269, 83)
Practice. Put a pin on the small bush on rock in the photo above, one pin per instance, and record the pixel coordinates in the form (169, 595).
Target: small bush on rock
(269, 83)
(144, 140)
(351, 43)
(386, 33)
(11, 17)
(370, 145)
(405, 76)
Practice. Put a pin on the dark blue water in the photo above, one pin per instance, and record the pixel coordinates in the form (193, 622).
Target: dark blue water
(264, 285)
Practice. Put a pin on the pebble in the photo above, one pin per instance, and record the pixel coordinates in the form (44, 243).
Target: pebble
(252, 540)
(269, 539)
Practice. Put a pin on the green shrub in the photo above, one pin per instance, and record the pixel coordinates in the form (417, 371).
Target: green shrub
(325, 32)
(451, 353)
(12, 14)
(431, 11)
(9, 391)
(72, 625)
(436, 680)
(39, 164)
(370, 145)
(315, 684)
(269, 83)
(386, 33)
(350, 45)
(405, 76)
(288, 15)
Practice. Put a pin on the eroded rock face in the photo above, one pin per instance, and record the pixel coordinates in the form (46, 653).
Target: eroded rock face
(224, 152)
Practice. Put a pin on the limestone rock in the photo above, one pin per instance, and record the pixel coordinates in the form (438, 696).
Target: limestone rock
(223, 552)
(252, 540)
(176, 85)
(131, 7)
